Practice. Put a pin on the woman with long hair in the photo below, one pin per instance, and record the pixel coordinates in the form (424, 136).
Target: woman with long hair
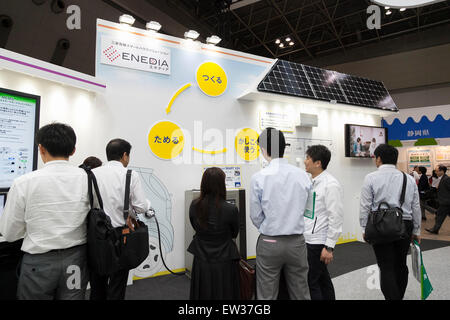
(215, 269)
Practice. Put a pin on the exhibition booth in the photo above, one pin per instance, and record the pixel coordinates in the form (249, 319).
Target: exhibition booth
(185, 106)
(422, 136)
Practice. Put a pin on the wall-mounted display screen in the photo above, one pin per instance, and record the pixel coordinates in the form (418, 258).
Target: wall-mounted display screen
(19, 121)
(361, 141)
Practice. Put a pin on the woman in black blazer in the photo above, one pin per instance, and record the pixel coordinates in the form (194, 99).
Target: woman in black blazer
(215, 270)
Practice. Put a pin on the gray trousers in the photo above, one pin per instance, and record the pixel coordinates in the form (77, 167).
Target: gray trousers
(274, 253)
(54, 275)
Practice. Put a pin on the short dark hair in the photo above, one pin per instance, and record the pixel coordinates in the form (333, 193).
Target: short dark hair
(387, 153)
(272, 140)
(92, 162)
(423, 170)
(115, 149)
(442, 168)
(319, 153)
(57, 138)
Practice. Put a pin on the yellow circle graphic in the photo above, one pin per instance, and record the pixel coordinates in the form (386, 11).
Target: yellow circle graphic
(246, 144)
(166, 140)
(211, 79)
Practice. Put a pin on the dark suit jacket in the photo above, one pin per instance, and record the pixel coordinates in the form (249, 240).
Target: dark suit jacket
(443, 191)
(215, 243)
(423, 184)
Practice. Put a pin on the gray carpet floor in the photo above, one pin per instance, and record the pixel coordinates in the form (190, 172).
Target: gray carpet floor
(352, 268)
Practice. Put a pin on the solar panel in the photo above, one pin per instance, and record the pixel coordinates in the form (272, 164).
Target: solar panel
(287, 78)
(325, 85)
(295, 79)
(366, 93)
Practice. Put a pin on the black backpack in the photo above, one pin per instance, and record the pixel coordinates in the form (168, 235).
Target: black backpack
(102, 240)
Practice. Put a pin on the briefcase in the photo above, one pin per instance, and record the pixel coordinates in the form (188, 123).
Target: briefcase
(386, 224)
(102, 241)
(133, 245)
(247, 280)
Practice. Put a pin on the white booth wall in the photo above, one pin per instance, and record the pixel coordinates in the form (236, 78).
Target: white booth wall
(135, 100)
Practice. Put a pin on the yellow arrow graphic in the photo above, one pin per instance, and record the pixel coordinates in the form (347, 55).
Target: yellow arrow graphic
(210, 152)
(176, 95)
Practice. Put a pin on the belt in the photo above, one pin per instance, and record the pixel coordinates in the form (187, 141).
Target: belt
(66, 249)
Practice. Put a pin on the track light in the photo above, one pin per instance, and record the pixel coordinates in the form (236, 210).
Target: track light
(288, 39)
(388, 12)
(213, 40)
(402, 9)
(291, 43)
(126, 19)
(191, 34)
(277, 41)
(153, 25)
(281, 45)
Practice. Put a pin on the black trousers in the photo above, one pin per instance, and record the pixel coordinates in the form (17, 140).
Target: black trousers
(391, 259)
(319, 280)
(110, 287)
(441, 214)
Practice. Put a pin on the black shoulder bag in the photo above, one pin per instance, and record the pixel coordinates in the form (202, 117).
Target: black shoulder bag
(134, 245)
(386, 224)
(102, 242)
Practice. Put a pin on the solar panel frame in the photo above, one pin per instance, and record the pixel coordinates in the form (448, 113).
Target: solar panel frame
(295, 79)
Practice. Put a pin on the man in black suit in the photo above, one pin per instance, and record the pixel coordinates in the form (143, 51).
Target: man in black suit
(443, 197)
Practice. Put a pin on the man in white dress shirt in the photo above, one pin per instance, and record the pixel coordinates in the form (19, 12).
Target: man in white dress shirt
(111, 183)
(278, 197)
(385, 185)
(323, 222)
(48, 208)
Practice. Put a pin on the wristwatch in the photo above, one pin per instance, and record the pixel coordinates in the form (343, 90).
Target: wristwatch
(329, 249)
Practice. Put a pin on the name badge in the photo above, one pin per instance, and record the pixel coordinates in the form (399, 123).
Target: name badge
(310, 205)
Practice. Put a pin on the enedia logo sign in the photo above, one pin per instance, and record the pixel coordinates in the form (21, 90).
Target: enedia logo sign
(137, 56)
(405, 3)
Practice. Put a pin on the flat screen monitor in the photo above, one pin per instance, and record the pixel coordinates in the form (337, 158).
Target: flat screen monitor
(19, 121)
(361, 141)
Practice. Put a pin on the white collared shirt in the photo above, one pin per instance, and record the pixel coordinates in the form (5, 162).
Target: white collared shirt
(385, 184)
(326, 225)
(48, 208)
(111, 183)
(278, 197)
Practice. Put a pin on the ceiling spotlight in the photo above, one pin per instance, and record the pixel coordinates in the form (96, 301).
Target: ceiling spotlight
(277, 41)
(153, 25)
(126, 19)
(281, 45)
(388, 12)
(402, 9)
(291, 43)
(213, 40)
(288, 39)
(191, 34)
(387, 8)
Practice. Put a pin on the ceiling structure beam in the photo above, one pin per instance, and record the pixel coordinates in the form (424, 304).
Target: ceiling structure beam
(254, 35)
(355, 33)
(327, 14)
(294, 33)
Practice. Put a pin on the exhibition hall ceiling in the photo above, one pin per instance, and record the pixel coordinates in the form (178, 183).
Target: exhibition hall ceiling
(314, 29)
(316, 33)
